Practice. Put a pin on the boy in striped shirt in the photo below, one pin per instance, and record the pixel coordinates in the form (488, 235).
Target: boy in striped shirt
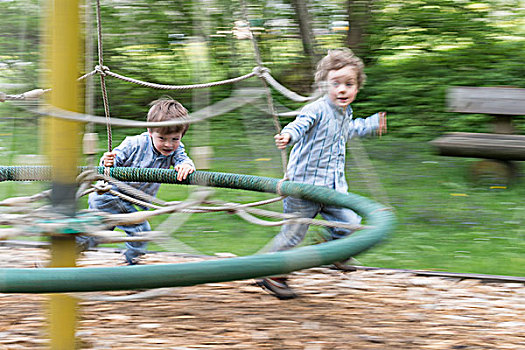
(319, 135)
(159, 147)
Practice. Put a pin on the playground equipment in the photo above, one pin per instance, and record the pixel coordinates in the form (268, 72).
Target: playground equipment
(62, 223)
(380, 220)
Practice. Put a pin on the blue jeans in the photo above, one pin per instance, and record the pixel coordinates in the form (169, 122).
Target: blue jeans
(114, 205)
(293, 234)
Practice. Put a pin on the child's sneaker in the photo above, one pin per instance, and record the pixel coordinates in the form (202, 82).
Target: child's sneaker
(278, 287)
(131, 260)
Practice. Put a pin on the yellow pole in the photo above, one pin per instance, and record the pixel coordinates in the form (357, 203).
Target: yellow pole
(63, 139)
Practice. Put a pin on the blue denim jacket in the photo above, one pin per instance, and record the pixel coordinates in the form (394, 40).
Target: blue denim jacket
(319, 135)
(138, 152)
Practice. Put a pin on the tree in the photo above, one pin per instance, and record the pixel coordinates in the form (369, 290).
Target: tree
(359, 15)
(305, 26)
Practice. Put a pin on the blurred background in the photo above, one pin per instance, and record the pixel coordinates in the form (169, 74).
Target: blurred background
(413, 50)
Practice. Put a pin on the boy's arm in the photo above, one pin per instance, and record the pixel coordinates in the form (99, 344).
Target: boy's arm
(282, 140)
(108, 159)
(118, 155)
(367, 126)
(298, 128)
(182, 163)
(382, 123)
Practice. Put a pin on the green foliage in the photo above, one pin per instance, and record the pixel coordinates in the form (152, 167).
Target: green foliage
(413, 90)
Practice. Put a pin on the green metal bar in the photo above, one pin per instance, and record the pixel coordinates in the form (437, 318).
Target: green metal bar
(379, 219)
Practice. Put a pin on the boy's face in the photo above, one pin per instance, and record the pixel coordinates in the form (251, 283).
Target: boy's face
(165, 144)
(342, 86)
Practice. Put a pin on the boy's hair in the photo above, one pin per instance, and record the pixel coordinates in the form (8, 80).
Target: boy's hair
(337, 59)
(165, 109)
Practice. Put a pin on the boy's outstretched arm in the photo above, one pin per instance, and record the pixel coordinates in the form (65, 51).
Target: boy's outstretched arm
(382, 123)
(183, 170)
(282, 140)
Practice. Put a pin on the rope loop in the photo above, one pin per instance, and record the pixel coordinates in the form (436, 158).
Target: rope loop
(280, 184)
(260, 71)
(102, 187)
(102, 70)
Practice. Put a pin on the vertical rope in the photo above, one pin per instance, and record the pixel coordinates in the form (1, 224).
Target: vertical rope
(366, 168)
(88, 64)
(102, 77)
(269, 98)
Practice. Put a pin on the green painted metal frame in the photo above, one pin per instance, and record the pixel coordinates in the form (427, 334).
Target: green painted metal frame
(380, 220)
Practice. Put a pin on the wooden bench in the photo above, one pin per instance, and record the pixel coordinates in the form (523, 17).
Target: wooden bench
(499, 149)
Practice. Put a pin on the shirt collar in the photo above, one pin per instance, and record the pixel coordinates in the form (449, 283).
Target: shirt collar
(345, 112)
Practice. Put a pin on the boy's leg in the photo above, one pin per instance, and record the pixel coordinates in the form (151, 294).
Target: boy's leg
(339, 214)
(114, 205)
(293, 234)
(135, 249)
(104, 202)
(289, 236)
(345, 215)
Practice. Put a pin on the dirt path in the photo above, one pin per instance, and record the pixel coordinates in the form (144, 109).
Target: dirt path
(359, 310)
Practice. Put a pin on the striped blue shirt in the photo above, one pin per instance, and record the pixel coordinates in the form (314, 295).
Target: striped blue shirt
(138, 152)
(319, 135)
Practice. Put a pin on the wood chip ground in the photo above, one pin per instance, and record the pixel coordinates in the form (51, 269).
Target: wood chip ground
(359, 310)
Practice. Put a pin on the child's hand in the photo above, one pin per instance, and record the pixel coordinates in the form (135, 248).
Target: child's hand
(382, 123)
(109, 158)
(281, 140)
(183, 170)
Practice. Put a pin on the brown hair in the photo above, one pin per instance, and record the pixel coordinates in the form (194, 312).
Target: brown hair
(337, 59)
(165, 109)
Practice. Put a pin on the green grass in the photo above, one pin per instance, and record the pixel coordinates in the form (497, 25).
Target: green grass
(445, 222)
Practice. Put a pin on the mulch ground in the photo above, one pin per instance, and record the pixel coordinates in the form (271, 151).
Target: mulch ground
(381, 309)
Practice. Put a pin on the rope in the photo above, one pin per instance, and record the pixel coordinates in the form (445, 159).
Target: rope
(240, 98)
(23, 201)
(259, 71)
(87, 75)
(101, 69)
(269, 98)
(175, 221)
(179, 87)
(367, 171)
(288, 218)
(140, 196)
(32, 94)
(288, 93)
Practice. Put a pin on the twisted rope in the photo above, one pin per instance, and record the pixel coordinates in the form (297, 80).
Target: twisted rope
(238, 99)
(286, 92)
(179, 87)
(28, 95)
(101, 70)
(368, 174)
(269, 98)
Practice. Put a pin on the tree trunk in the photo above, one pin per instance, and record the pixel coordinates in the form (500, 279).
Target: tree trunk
(305, 26)
(359, 13)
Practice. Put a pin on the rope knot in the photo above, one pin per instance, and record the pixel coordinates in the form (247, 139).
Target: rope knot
(102, 187)
(101, 70)
(260, 71)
